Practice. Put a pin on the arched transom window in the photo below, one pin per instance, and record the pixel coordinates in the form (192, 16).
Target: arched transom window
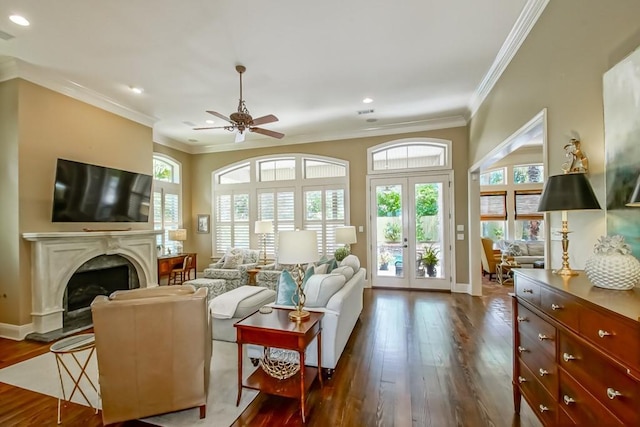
(409, 154)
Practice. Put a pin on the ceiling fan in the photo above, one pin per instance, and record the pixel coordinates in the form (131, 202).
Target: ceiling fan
(242, 121)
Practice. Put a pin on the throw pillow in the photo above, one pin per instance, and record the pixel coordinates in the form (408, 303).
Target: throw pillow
(514, 249)
(352, 261)
(321, 287)
(232, 261)
(331, 263)
(345, 270)
(286, 293)
(321, 269)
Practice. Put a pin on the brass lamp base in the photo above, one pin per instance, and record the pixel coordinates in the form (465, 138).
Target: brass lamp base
(299, 315)
(565, 272)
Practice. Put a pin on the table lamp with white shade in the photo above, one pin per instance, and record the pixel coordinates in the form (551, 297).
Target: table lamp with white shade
(179, 235)
(346, 235)
(263, 227)
(298, 247)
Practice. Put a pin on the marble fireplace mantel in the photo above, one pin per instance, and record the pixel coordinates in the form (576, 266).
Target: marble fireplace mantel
(55, 257)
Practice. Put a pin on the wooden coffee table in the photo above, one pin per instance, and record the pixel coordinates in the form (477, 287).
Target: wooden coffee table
(276, 330)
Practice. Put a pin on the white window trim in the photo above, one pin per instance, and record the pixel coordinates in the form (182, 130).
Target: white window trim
(171, 188)
(298, 184)
(446, 144)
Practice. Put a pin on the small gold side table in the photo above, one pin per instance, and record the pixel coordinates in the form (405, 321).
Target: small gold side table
(71, 346)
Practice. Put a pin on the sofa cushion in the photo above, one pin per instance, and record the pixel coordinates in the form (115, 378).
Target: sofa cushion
(352, 261)
(286, 291)
(535, 248)
(321, 287)
(345, 270)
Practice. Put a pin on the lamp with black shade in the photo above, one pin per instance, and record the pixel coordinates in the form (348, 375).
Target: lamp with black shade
(298, 247)
(263, 227)
(567, 192)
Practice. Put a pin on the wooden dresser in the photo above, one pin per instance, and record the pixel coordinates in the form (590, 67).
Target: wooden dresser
(576, 350)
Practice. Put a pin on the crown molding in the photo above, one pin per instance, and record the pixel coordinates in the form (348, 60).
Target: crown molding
(390, 129)
(15, 68)
(161, 139)
(527, 19)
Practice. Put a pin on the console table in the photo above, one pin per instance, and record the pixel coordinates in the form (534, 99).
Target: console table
(166, 263)
(576, 350)
(276, 330)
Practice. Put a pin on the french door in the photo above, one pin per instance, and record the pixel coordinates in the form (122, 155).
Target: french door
(410, 231)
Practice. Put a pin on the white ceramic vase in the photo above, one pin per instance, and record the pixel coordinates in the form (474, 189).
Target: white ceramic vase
(613, 271)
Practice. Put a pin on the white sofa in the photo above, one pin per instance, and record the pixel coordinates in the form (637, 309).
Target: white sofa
(341, 313)
(524, 252)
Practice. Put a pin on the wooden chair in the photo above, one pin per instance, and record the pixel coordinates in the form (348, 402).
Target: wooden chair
(182, 274)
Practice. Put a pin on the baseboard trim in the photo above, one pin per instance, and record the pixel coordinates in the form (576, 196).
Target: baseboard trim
(15, 332)
(462, 288)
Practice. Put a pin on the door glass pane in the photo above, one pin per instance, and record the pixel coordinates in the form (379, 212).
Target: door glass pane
(389, 230)
(428, 226)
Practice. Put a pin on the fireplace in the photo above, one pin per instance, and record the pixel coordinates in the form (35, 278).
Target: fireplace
(57, 256)
(101, 275)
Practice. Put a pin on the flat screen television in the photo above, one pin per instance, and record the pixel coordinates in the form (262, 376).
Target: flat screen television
(91, 193)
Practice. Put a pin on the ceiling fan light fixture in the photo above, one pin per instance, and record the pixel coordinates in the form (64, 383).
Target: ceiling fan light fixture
(209, 121)
(19, 20)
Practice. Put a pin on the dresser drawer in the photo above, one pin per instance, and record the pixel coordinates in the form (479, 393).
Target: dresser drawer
(612, 335)
(561, 307)
(539, 362)
(541, 402)
(582, 408)
(564, 419)
(607, 382)
(527, 290)
(532, 325)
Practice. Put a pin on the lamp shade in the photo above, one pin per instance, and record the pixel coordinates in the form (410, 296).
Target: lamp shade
(567, 192)
(263, 227)
(346, 235)
(297, 247)
(634, 201)
(179, 235)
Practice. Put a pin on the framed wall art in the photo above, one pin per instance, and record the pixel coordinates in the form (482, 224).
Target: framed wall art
(203, 223)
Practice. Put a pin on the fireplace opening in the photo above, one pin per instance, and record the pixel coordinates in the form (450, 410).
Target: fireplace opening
(101, 275)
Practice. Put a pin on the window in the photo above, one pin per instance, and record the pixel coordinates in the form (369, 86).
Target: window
(410, 154)
(295, 191)
(529, 222)
(166, 200)
(493, 177)
(493, 214)
(528, 174)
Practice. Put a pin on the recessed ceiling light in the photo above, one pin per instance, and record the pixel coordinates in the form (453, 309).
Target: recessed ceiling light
(209, 121)
(192, 140)
(136, 90)
(367, 101)
(20, 20)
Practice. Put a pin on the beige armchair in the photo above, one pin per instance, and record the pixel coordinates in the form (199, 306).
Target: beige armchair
(153, 348)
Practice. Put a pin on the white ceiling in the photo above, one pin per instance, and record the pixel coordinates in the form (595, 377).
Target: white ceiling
(425, 63)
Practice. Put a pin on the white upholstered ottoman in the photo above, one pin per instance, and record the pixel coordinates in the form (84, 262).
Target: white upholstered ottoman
(228, 308)
(216, 286)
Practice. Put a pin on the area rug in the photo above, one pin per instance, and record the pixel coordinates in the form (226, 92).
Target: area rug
(40, 374)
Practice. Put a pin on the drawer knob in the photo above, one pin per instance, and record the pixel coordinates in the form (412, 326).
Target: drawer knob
(542, 337)
(522, 319)
(567, 357)
(543, 372)
(522, 380)
(612, 394)
(603, 334)
(521, 349)
(543, 408)
(527, 291)
(568, 400)
(556, 307)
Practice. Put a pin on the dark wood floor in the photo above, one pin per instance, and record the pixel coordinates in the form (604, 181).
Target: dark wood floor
(414, 359)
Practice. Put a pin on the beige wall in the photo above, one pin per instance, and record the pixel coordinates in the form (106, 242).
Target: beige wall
(353, 150)
(51, 126)
(10, 292)
(560, 66)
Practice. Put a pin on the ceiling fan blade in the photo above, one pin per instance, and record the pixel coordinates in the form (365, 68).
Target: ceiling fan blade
(267, 132)
(220, 116)
(240, 137)
(215, 127)
(264, 120)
